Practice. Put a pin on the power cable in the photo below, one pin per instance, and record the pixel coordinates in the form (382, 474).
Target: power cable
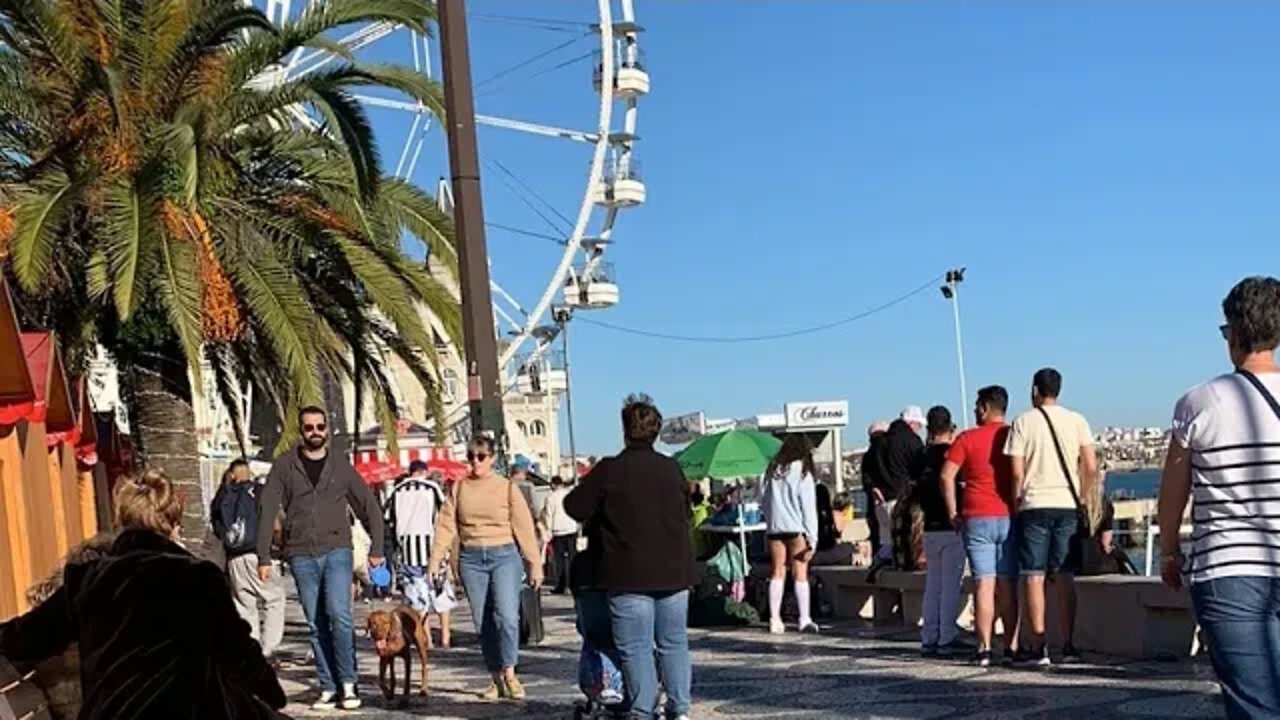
(548, 24)
(527, 203)
(533, 192)
(771, 336)
(529, 61)
(495, 89)
(527, 233)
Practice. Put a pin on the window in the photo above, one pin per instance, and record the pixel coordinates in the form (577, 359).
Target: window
(524, 429)
(538, 428)
(449, 382)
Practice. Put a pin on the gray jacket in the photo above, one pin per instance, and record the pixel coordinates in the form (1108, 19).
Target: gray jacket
(315, 518)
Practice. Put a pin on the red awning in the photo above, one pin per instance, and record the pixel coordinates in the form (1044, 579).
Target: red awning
(378, 471)
(53, 395)
(451, 469)
(17, 393)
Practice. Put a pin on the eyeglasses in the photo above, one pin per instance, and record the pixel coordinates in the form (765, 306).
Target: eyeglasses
(1225, 330)
(477, 457)
(318, 427)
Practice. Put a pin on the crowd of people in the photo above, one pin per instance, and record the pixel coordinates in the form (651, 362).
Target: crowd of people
(1020, 503)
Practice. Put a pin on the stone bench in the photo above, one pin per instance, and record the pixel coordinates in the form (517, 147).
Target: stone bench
(1136, 617)
(20, 698)
(896, 596)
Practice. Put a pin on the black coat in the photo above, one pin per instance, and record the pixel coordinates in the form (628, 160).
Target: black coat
(894, 458)
(158, 637)
(640, 501)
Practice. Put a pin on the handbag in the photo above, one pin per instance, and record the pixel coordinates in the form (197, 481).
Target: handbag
(1083, 531)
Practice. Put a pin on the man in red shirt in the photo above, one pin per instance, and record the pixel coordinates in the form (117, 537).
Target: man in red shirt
(983, 516)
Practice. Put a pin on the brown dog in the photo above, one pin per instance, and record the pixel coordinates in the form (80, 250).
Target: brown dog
(394, 634)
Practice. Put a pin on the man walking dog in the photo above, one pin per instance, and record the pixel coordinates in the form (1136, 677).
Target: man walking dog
(315, 488)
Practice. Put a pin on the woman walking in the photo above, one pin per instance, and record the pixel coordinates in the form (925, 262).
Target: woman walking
(943, 546)
(791, 518)
(492, 521)
(1225, 450)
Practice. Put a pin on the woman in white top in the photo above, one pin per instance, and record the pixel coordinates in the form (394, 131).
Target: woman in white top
(1225, 455)
(791, 523)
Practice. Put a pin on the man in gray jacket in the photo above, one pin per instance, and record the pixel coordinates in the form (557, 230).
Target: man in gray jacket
(316, 487)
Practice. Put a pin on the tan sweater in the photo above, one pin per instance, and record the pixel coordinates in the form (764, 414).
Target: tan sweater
(487, 512)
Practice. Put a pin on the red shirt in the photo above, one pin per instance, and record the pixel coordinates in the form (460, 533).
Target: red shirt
(986, 470)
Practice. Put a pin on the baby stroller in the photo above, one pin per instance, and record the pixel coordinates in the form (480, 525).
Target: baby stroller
(599, 672)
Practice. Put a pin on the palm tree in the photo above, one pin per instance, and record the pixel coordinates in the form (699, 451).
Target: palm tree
(159, 196)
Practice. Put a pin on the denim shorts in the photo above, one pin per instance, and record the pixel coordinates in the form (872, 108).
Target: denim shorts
(992, 548)
(1045, 539)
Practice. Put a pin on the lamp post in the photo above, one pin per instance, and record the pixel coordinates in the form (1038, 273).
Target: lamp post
(951, 291)
(562, 316)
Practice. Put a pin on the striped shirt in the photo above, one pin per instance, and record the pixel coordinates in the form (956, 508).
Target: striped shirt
(415, 503)
(1233, 437)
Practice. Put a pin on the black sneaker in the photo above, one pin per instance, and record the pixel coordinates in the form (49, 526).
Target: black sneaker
(929, 651)
(1010, 654)
(1033, 660)
(1070, 654)
(982, 658)
(955, 648)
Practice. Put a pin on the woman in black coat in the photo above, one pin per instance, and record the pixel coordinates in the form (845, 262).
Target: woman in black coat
(157, 633)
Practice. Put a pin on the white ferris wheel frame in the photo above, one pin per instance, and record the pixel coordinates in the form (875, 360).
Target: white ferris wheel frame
(524, 324)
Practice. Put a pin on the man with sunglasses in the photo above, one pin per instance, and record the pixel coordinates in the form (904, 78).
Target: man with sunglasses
(316, 488)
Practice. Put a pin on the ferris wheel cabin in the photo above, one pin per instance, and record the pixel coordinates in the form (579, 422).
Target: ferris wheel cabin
(542, 375)
(592, 287)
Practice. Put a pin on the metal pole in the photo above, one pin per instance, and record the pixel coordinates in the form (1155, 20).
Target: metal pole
(568, 392)
(480, 345)
(964, 392)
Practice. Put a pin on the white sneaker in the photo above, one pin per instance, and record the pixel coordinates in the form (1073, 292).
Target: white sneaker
(808, 626)
(350, 700)
(776, 627)
(326, 701)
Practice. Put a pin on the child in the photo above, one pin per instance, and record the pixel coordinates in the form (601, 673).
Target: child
(599, 665)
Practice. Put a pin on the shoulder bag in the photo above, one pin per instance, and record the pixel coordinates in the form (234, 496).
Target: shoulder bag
(1262, 389)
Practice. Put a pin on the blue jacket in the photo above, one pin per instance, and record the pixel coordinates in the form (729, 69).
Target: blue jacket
(790, 502)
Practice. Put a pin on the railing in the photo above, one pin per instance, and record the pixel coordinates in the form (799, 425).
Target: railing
(601, 272)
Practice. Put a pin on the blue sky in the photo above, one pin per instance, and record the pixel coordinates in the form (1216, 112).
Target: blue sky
(1105, 171)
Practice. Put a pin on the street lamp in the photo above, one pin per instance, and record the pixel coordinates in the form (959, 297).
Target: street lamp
(562, 315)
(951, 291)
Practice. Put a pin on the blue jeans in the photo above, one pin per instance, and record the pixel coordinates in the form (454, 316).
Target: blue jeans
(324, 589)
(1240, 617)
(641, 621)
(992, 547)
(493, 577)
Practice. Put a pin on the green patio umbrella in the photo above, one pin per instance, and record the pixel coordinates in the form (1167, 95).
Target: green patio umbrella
(730, 454)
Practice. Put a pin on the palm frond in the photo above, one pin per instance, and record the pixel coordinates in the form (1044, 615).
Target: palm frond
(38, 219)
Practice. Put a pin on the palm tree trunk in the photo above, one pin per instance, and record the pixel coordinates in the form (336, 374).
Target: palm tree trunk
(164, 426)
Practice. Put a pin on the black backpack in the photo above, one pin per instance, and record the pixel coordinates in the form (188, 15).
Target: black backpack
(239, 511)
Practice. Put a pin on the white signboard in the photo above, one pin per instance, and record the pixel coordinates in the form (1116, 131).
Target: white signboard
(683, 429)
(827, 414)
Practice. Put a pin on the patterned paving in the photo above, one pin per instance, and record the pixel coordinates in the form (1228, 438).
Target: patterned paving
(850, 671)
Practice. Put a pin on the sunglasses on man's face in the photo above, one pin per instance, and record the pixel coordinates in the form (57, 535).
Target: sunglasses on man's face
(1225, 330)
(477, 457)
(318, 427)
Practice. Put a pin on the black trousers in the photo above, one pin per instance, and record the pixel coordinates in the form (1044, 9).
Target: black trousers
(563, 550)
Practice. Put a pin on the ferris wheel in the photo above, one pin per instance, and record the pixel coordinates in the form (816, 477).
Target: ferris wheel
(608, 177)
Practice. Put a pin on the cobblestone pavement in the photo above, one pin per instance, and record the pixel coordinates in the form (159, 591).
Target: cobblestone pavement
(850, 671)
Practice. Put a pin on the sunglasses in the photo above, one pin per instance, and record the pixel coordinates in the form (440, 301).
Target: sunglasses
(318, 427)
(477, 457)
(1225, 330)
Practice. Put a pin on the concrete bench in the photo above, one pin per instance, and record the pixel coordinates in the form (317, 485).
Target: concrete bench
(1136, 617)
(20, 698)
(896, 596)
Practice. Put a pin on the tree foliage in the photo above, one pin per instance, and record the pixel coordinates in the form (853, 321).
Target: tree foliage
(160, 196)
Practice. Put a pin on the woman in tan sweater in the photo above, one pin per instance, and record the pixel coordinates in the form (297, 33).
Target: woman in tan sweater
(488, 514)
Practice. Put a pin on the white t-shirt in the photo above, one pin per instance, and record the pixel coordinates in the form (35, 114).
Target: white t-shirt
(1044, 486)
(1234, 439)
